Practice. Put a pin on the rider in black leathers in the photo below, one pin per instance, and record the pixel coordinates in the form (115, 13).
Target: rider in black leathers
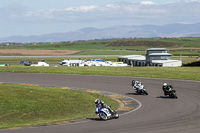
(101, 104)
(166, 88)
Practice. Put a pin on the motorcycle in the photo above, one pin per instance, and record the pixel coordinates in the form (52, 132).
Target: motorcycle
(105, 114)
(140, 89)
(172, 93)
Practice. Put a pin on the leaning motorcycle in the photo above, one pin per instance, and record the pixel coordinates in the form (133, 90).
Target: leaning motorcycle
(172, 93)
(141, 90)
(105, 114)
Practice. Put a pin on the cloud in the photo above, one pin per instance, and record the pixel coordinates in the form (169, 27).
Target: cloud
(195, 0)
(147, 3)
(81, 8)
(145, 12)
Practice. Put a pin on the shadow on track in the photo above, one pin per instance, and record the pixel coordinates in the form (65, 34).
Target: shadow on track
(165, 97)
(95, 119)
(133, 94)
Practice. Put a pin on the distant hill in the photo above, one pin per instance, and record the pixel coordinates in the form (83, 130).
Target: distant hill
(90, 33)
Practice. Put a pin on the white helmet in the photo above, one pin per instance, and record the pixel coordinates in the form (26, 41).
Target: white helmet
(97, 101)
(165, 84)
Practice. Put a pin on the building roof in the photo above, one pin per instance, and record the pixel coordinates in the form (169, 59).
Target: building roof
(161, 54)
(138, 58)
(153, 49)
(129, 56)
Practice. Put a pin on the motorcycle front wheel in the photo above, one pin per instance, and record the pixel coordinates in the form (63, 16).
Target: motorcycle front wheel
(145, 92)
(103, 116)
(174, 95)
(116, 115)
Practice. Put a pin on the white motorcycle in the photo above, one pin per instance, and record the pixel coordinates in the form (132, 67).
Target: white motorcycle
(105, 114)
(140, 89)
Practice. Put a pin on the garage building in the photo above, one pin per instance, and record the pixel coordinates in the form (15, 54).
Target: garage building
(154, 57)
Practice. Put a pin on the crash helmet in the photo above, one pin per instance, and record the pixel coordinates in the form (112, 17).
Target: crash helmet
(133, 82)
(97, 101)
(137, 82)
(165, 84)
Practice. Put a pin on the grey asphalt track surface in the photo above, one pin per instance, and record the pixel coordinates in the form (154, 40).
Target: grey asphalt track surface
(157, 114)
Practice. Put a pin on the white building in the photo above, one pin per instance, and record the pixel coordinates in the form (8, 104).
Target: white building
(154, 57)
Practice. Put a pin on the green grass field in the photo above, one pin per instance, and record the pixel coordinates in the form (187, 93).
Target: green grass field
(103, 47)
(110, 52)
(185, 73)
(23, 105)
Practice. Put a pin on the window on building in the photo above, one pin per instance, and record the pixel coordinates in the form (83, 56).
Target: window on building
(165, 57)
(155, 58)
(157, 51)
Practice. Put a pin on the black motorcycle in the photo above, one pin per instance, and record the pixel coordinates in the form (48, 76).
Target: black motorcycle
(172, 93)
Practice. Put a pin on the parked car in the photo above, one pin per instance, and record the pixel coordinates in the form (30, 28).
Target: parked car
(40, 64)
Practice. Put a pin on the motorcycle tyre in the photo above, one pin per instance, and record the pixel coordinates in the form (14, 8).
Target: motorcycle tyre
(145, 92)
(116, 116)
(174, 95)
(104, 117)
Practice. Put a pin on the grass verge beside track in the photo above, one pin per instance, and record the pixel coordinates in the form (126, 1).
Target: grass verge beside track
(23, 105)
(185, 73)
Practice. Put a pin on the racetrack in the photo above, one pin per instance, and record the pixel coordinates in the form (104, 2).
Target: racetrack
(156, 115)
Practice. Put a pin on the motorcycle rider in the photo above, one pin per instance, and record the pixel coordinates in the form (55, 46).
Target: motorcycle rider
(136, 85)
(166, 88)
(101, 104)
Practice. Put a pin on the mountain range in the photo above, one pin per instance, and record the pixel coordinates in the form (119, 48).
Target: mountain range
(90, 33)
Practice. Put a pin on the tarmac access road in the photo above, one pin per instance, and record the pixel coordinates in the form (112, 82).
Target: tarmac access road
(157, 114)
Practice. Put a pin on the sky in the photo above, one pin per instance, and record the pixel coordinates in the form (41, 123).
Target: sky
(37, 17)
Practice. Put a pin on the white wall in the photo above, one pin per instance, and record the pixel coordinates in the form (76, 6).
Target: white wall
(173, 64)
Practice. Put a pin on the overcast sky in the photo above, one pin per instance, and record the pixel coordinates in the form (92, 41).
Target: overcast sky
(36, 17)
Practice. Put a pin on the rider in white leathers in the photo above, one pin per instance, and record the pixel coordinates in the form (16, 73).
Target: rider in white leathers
(136, 85)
